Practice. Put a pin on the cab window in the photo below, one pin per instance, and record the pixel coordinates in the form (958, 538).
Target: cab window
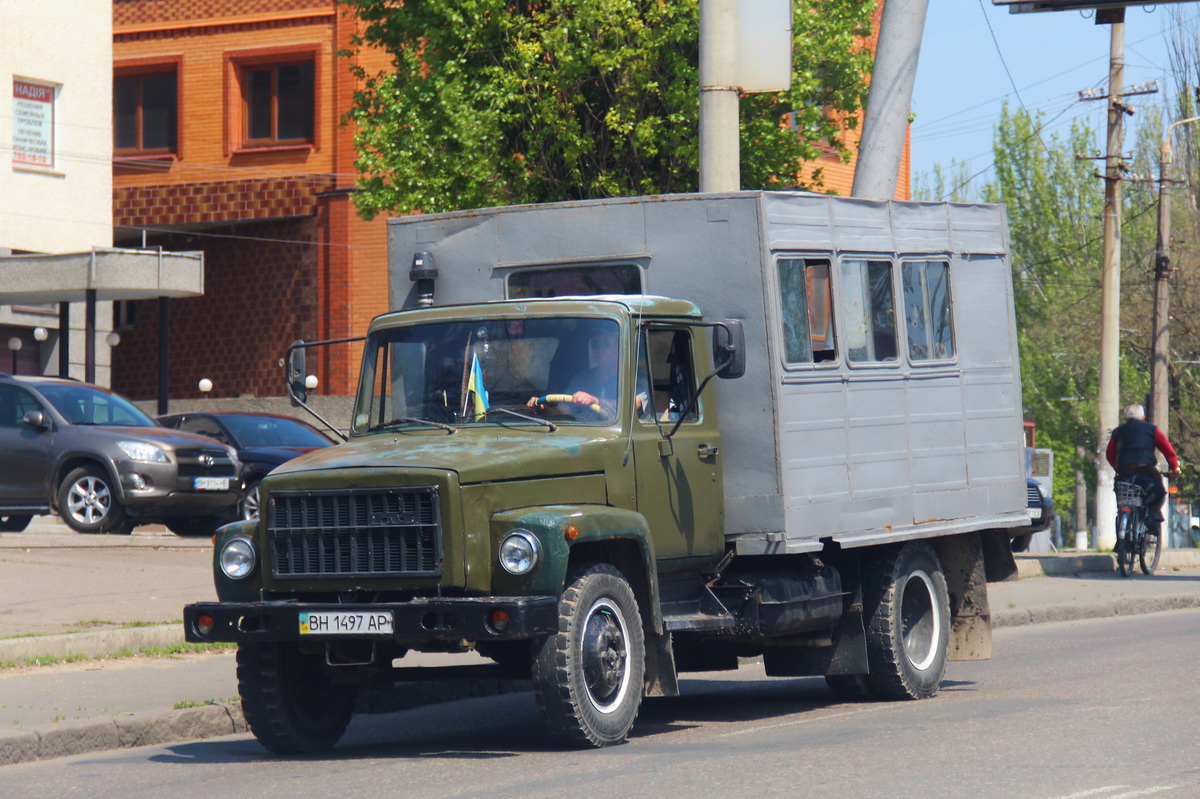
(666, 380)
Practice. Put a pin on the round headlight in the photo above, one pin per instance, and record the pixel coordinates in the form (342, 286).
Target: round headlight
(237, 558)
(519, 552)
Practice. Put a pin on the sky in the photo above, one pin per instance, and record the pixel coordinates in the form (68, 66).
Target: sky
(966, 71)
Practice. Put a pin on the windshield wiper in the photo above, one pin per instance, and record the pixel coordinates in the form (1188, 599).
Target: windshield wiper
(551, 425)
(413, 420)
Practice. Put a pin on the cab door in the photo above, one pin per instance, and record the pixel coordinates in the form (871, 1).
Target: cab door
(679, 488)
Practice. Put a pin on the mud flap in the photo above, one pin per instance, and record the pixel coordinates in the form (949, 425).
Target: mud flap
(963, 560)
(661, 678)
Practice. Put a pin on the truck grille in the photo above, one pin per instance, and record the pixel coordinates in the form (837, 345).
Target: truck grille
(372, 532)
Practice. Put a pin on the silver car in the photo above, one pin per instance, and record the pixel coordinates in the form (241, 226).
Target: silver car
(96, 460)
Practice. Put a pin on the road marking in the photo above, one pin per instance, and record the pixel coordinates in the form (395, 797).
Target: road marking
(1127, 795)
(805, 721)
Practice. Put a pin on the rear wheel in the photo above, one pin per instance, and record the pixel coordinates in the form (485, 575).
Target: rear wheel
(1150, 551)
(588, 676)
(88, 503)
(290, 703)
(248, 507)
(908, 628)
(1125, 543)
(14, 524)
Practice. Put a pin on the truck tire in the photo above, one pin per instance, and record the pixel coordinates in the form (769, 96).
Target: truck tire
(908, 628)
(88, 503)
(588, 676)
(289, 702)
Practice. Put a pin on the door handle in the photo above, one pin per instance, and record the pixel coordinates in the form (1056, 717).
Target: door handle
(705, 451)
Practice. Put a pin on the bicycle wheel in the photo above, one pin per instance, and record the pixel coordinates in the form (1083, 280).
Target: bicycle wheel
(1125, 543)
(1151, 548)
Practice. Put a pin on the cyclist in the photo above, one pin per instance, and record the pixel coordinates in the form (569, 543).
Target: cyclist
(1130, 452)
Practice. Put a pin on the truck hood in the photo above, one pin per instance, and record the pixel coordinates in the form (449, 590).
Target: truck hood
(475, 454)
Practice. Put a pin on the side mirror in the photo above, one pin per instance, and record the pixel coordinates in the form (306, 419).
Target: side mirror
(729, 348)
(35, 419)
(296, 371)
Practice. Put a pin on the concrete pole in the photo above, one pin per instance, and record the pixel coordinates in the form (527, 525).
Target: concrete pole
(1160, 391)
(720, 160)
(889, 100)
(1110, 291)
(1160, 338)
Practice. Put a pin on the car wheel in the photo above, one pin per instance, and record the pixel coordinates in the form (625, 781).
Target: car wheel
(87, 502)
(14, 524)
(248, 507)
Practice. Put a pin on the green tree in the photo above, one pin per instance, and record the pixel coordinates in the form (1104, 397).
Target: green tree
(494, 102)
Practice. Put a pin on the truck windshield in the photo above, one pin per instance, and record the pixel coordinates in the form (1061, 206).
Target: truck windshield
(559, 369)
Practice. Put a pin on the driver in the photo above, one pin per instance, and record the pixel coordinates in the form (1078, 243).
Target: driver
(598, 385)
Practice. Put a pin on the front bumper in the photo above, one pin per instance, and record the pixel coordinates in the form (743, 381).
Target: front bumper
(433, 619)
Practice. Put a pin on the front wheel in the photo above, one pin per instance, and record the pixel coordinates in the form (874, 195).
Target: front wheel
(1125, 543)
(290, 703)
(1150, 550)
(908, 629)
(87, 502)
(248, 507)
(588, 676)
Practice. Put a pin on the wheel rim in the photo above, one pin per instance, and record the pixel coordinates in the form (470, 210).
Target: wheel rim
(89, 500)
(605, 655)
(250, 503)
(920, 620)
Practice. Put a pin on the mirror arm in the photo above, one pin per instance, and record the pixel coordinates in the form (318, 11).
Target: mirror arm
(302, 400)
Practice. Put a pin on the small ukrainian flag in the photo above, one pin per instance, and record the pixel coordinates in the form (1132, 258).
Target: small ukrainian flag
(476, 391)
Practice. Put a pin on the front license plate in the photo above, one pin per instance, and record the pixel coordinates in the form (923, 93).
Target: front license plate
(346, 622)
(211, 483)
(1034, 513)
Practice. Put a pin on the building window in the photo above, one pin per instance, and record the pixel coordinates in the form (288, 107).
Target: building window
(278, 103)
(145, 112)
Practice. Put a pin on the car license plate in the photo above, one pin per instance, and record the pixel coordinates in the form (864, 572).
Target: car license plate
(1034, 513)
(346, 622)
(211, 483)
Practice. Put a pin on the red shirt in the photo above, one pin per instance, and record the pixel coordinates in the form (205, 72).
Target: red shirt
(1160, 443)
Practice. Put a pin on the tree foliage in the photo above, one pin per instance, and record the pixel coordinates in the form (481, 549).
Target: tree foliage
(493, 102)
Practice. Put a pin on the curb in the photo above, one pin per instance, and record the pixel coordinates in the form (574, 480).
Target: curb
(95, 643)
(1093, 562)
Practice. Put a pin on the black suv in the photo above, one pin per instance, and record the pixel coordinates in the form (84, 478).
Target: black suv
(101, 464)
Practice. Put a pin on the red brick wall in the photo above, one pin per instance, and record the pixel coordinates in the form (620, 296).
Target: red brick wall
(259, 297)
(201, 203)
(144, 12)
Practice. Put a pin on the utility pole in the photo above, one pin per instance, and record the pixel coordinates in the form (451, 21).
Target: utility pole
(1110, 282)
(1161, 336)
(720, 167)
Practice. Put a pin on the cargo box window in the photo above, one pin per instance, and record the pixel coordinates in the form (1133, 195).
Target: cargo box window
(870, 311)
(928, 318)
(806, 310)
(570, 281)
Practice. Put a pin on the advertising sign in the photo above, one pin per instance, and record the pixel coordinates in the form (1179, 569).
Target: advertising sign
(33, 124)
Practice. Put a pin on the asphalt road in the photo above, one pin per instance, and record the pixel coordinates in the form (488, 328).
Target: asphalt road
(1102, 709)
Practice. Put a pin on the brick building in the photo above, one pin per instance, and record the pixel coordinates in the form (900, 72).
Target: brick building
(228, 139)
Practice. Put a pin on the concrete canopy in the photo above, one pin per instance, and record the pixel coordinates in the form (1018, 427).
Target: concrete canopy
(100, 275)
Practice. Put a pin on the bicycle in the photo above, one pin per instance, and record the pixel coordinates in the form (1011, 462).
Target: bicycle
(1133, 538)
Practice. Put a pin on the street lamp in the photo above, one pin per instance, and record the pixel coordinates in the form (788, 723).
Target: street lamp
(40, 334)
(205, 386)
(14, 344)
(1161, 336)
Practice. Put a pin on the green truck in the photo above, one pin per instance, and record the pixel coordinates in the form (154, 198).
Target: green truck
(606, 442)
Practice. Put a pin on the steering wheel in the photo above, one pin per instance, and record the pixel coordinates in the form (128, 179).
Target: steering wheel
(594, 407)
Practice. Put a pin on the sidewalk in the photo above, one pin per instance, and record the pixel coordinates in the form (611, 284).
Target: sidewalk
(64, 595)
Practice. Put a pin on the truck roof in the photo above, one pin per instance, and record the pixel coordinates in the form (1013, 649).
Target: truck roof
(635, 304)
